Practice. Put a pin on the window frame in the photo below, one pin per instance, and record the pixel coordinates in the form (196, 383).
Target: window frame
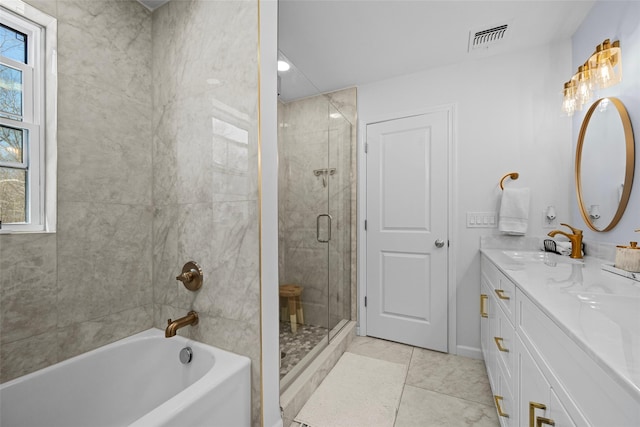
(40, 149)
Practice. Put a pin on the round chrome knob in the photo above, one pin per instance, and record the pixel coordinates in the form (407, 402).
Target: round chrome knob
(439, 243)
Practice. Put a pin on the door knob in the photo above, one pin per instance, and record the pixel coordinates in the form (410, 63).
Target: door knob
(439, 243)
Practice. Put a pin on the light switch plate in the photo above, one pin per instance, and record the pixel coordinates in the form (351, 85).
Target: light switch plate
(482, 220)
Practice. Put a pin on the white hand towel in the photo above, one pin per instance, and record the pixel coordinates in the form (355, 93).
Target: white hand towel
(514, 211)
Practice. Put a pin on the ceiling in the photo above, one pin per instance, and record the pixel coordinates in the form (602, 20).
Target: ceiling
(339, 44)
(334, 44)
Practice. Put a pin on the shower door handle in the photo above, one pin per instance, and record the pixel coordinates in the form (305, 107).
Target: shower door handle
(318, 228)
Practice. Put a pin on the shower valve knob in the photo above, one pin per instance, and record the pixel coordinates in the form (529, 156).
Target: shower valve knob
(186, 277)
(191, 276)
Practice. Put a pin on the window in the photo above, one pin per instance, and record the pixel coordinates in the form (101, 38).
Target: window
(27, 139)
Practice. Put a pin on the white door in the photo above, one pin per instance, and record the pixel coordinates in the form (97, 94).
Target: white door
(407, 177)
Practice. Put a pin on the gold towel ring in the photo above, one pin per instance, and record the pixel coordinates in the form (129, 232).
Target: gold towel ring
(512, 175)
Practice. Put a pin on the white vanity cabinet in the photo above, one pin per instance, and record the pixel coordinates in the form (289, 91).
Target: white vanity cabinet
(539, 375)
(538, 403)
(497, 303)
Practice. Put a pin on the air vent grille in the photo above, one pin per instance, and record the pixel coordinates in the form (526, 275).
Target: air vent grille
(482, 39)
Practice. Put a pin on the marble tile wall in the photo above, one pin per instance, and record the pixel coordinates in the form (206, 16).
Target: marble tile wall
(90, 283)
(126, 224)
(205, 172)
(305, 128)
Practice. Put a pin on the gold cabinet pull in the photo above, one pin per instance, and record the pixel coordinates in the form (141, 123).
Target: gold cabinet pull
(499, 341)
(532, 412)
(483, 305)
(499, 399)
(501, 295)
(542, 420)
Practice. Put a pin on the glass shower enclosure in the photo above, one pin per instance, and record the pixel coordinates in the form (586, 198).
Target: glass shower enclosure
(314, 212)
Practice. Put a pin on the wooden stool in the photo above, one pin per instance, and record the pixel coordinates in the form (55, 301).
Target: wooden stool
(293, 293)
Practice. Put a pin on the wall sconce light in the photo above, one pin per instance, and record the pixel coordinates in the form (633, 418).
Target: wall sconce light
(603, 69)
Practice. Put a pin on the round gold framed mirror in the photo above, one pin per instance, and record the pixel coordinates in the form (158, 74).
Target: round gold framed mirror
(605, 161)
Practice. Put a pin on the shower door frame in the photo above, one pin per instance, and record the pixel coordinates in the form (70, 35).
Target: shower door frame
(322, 219)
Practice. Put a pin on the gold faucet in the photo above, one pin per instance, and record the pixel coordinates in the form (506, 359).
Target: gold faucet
(575, 239)
(173, 325)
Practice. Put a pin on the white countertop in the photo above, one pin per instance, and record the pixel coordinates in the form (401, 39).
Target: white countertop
(599, 310)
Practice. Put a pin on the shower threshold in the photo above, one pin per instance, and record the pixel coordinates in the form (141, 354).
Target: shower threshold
(296, 393)
(309, 335)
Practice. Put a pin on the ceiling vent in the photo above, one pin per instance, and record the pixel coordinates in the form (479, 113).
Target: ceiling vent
(483, 38)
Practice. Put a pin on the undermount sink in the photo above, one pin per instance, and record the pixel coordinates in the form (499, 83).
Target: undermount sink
(548, 258)
(622, 309)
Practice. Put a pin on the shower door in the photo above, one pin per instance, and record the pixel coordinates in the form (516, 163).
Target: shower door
(314, 192)
(339, 193)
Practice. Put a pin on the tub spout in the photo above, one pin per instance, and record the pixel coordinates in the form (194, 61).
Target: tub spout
(173, 325)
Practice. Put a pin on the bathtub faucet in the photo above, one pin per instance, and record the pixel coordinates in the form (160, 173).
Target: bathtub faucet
(173, 325)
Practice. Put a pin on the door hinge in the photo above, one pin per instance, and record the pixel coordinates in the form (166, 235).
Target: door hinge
(366, 147)
(365, 301)
(448, 243)
(365, 225)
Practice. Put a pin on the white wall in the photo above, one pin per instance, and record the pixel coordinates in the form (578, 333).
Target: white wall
(507, 119)
(615, 21)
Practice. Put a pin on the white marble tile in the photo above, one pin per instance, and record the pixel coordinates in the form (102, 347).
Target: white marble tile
(104, 145)
(24, 356)
(456, 376)
(165, 153)
(106, 44)
(28, 288)
(78, 338)
(425, 408)
(345, 101)
(166, 262)
(381, 349)
(49, 7)
(104, 260)
(182, 67)
(233, 284)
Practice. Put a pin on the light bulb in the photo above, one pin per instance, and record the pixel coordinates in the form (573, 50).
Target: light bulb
(584, 89)
(584, 92)
(569, 106)
(605, 73)
(568, 99)
(283, 66)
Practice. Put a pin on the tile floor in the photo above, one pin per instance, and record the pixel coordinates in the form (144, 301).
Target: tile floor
(440, 390)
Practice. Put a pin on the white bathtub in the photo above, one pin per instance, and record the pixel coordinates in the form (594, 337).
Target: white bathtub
(138, 381)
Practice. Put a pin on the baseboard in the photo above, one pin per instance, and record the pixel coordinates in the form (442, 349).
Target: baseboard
(472, 352)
